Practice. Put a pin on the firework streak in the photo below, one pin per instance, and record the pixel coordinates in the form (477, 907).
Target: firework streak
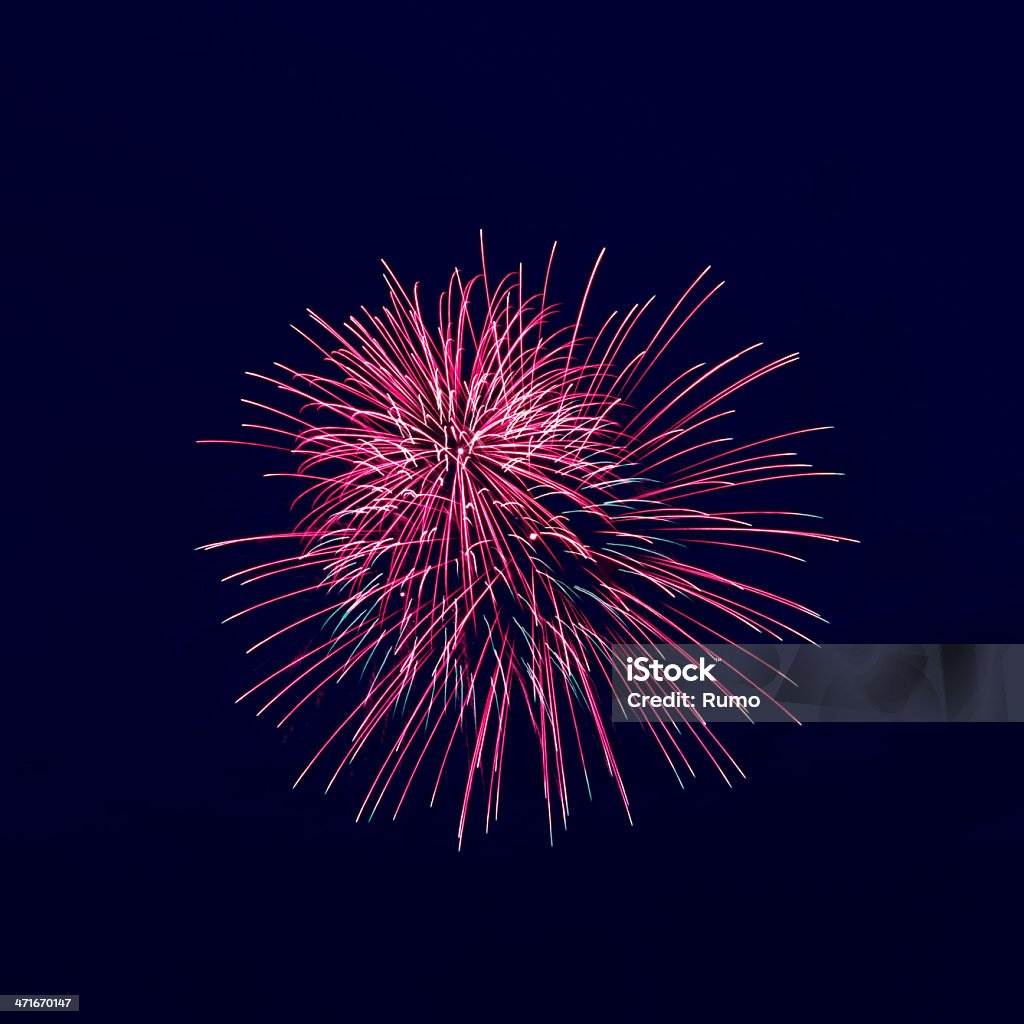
(489, 503)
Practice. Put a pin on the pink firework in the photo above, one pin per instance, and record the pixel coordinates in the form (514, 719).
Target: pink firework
(489, 502)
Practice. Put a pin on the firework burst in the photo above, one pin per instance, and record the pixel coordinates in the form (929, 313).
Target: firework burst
(490, 500)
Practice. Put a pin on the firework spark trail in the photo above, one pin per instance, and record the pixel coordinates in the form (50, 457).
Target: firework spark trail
(488, 509)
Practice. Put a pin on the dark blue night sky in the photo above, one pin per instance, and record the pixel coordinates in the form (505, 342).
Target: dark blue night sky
(185, 182)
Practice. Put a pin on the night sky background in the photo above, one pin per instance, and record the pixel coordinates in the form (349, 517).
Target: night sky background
(182, 184)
